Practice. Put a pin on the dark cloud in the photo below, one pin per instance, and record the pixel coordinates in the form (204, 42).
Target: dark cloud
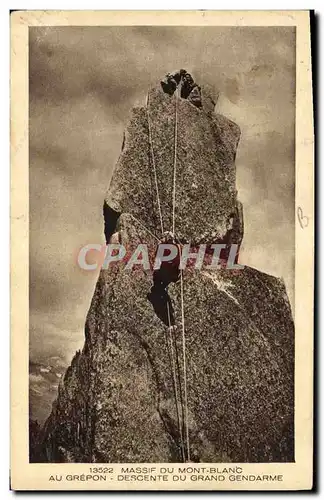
(83, 83)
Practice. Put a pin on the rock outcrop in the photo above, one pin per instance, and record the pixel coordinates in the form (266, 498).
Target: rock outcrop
(206, 197)
(121, 400)
(34, 442)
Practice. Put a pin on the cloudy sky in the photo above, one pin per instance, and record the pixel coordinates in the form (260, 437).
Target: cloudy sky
(83, 83)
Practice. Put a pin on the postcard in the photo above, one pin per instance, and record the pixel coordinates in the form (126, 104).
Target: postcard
(162, 250)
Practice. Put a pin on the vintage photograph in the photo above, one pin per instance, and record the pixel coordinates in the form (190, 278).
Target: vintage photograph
(162, 244)
(162, 251)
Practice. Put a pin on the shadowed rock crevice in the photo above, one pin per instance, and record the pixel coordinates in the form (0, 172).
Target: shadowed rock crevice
(110, 221)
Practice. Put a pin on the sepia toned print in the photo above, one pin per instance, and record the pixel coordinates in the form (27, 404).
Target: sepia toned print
(162, 208)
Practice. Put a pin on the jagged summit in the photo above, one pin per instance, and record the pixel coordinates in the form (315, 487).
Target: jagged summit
(189, 89)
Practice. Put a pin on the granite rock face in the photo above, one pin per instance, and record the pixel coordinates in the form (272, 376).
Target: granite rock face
(206, 197)
(121, 400)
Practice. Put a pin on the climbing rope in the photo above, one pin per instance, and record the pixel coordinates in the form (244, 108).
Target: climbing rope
(184, 428)
(184, 367)
(174, 375)
(153, 163)
(175, 158)
(144, 227)
(186, 423)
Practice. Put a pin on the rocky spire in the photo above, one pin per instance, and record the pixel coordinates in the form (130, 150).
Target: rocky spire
(207, 209)
(121, 400)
